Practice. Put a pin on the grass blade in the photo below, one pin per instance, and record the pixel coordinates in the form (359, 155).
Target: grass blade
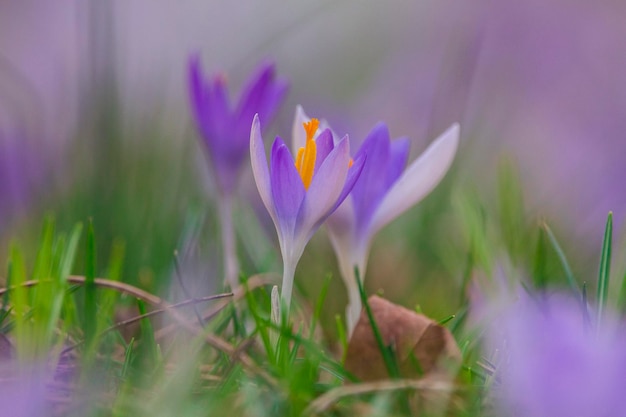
(540, 275)
(19, 301)
(342, 337)
(605, 266)
(148, 342)
(385, 351)
(569, 275)
(622, 296)
(511, 210)
(90, 307)
(66, 263)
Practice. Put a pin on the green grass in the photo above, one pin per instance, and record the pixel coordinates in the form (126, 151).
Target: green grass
(76, 301)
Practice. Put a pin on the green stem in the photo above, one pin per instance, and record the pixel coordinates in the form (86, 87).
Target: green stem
(289, 271)
(229, 247)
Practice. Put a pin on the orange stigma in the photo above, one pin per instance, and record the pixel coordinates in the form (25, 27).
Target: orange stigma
(305, 159)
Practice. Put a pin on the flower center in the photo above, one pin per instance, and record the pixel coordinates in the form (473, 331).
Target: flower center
(305, 160)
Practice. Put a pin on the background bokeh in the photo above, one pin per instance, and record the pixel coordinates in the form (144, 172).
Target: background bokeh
(95, 123)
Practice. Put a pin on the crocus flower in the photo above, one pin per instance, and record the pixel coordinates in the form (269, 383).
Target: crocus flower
(552, 362)
(384, 191)
(225, 129)
(301, 193)
(225, 133)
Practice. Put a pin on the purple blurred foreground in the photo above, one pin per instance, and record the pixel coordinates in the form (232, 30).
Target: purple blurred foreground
(23, 394)
(553, 360)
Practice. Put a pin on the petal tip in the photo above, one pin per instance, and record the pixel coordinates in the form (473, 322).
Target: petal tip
(454, 131)
(450, 138)
(255, 132)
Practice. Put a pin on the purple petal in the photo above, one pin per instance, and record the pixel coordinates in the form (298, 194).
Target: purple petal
(209, 101)
(418, 179)
(221, 116)
(253, 93)
(210, 107)
(325, 189)
(259, 168)
(325, 145)
(197, 92)
(399, 153)
(371, 187)
(275, 98)
(262, 95)
(354, 174)
(287, 187)
(227, 150)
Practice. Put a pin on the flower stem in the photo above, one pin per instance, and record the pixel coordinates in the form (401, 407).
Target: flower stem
(229, 247)
(353, 309)
(289, 270)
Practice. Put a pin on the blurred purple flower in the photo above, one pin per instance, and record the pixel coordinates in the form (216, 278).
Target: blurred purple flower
(21, 170)
(225, 130)
(383, 192)
(299, 195)
(552, 363)
(23, 392)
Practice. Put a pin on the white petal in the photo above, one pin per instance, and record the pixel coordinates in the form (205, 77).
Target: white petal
(259, 168)
(418, 179)
(298, 134)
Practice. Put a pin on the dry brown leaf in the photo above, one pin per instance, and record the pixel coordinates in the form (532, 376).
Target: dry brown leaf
(413, 337)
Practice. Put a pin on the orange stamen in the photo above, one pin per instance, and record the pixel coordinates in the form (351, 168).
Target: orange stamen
(299, 159)
(305, 159)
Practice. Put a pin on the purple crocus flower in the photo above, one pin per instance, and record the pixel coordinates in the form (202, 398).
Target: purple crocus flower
(225, 129)
(383, 192)
(300, 194)
(552, 362)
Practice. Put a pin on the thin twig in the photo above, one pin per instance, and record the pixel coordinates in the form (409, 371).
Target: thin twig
(131, 320)
(209, 339)
(324, 401)
(104, 283)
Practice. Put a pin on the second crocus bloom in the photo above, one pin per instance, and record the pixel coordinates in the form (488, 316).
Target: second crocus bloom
(383, 192)
(225, 127)
(300, 193)
(225, 133)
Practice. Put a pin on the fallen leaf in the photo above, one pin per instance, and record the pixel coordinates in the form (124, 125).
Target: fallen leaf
(422, 347)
